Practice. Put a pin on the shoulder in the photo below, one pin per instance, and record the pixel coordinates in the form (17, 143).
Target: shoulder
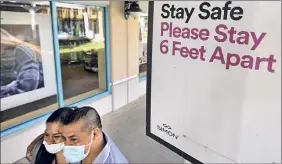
(110, 153)
(35, 149)
(115, 155)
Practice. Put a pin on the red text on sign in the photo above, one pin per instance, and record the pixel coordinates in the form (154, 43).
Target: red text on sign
(238, 37)
(244, 61)
(184, 33)
(193, 53)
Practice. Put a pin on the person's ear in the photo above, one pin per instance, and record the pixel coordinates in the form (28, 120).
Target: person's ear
(96, 132)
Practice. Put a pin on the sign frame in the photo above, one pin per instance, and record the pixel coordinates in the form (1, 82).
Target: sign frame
(148, 94)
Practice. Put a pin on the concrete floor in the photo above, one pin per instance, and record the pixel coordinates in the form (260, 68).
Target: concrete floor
(126, 127)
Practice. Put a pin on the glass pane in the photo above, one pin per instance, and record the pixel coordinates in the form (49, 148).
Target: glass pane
(143, 30)
(82, 50)
(28, 81)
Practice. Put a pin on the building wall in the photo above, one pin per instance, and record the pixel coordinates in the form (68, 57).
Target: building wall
(133, 46)
(124, 43)
(124, 56)
(126, 86)
(118, 33)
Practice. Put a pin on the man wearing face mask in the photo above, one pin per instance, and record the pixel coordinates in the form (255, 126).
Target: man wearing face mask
(85, 142)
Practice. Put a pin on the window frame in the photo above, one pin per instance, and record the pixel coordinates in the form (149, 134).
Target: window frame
(42, 117)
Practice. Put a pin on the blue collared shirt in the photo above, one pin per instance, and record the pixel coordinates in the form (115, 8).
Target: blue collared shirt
(110, 153)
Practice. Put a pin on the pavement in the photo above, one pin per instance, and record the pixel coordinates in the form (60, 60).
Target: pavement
(126, 127)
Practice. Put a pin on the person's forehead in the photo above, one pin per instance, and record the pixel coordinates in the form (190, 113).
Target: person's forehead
(73, 128)
(52, 127)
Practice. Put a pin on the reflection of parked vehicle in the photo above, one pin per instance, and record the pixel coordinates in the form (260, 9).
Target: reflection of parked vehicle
(91, 61)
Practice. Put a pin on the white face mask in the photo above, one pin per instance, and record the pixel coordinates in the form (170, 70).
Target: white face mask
(53, 148)
(75, 154)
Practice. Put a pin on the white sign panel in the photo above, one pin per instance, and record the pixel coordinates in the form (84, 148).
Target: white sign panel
(214, 80)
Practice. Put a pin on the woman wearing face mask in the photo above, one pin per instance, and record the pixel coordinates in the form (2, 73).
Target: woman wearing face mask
(47, 148)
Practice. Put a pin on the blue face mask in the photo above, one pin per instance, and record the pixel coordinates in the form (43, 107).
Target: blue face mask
(75, 154)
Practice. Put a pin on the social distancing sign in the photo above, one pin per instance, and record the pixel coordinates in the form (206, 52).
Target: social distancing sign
(214, 79)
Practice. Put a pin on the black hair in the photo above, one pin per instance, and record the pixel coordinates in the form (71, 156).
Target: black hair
(43, 156)
(60, 115)
(88, 114)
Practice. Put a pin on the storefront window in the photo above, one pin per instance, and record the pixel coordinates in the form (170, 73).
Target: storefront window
(143, 30)
(82, 50)
(28, 80)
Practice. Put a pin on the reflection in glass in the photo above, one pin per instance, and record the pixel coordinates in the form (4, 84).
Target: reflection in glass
(82, 50)
(25, 30)
(143, 30)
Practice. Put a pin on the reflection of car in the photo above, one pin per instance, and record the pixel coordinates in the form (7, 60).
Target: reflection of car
(91, 61)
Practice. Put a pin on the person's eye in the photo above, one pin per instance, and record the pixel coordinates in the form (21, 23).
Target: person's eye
(57, 137)
(73, 139)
